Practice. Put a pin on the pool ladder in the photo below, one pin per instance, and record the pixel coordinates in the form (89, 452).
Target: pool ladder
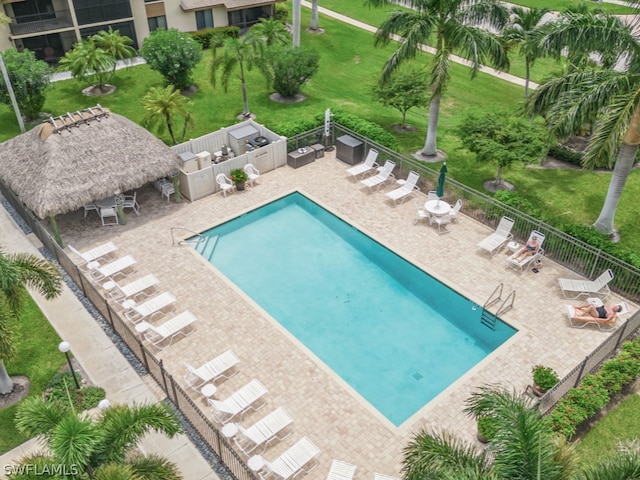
(489, 319)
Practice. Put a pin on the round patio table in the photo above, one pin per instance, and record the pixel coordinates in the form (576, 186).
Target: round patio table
(437, 207)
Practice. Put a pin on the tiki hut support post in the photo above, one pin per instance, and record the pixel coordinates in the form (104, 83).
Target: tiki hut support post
(56, 232)
(176, 186)
(122, 217)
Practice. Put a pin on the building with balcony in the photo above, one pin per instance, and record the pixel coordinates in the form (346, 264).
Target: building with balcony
(49, 28)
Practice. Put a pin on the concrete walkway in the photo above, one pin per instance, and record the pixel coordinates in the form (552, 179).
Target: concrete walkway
(103, 363)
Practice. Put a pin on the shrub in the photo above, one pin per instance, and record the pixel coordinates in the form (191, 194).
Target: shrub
(566, 154)
(61, 387)
(597, 239)
(290, 68)
(516, 201)
(215, 37)
(544, 377)
(368, 129)
(296, 127)
(29, 78)
(282, 13)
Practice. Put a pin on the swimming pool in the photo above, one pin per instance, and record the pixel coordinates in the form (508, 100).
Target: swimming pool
(395, 334)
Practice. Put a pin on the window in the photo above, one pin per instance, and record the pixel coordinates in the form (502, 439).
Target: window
(204, 19)
(157, 22)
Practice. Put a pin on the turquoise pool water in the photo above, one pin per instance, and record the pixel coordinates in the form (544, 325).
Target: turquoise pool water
(391, 331)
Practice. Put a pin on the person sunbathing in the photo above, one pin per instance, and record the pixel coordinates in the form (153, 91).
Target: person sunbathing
(603, 312)
(531, 248)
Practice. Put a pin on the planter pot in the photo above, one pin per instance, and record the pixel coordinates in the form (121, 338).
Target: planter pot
(481, 438)
(239, 186)
(538, 391)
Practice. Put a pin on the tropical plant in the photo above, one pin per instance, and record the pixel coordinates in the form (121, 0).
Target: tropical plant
(237, 52)
(451, 24)
(238, 175)
(404, 91)
(289, 68)
(544, 377)
(116, 45)
(88, 63)
(18, 271)
(522, 22)
(29, 78)
(162, 106)
(269, 32)
(101, 446)
(172, 53)
(605, 97)
(503, 139)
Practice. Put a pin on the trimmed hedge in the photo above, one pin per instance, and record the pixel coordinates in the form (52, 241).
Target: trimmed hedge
(215, 37)
(595, 391)
(597, 239)
(282, 13)
(566, 154)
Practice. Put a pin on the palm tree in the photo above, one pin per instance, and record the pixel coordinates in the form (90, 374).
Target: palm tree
(116, 45)
(88, 63)
(101, 446)
(163, 105)
(522, 23)
(18, 271)
(238, 52)
(313, 23)
(269, 32)
(607, 98)
(296, 7)
(524, 447)
(452, 26)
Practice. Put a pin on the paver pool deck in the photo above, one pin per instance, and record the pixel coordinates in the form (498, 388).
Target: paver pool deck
(324, 408)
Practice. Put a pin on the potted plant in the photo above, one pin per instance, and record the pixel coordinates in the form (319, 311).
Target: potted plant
(239, 176)
(487, 428)
(544, 378)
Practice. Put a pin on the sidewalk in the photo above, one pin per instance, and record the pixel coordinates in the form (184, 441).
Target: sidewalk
(103, 363)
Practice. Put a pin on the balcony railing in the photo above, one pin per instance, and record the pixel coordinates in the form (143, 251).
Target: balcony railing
(40, 22)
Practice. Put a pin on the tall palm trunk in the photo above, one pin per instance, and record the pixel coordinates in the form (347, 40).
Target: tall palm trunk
(6, 384)
(313, 24)
(297, 6)
(167, 119)
(246, 112)
(429, 148)
(527, 75)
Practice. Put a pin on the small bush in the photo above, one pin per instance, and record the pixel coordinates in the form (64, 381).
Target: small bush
(599, 240)
(282, 13)
(514, 200)
(566, 154)
(61, 387)
(296, 127)
(544, 377)
(368, 129)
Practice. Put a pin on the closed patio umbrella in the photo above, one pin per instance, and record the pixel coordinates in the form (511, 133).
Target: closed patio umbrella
(443, 175)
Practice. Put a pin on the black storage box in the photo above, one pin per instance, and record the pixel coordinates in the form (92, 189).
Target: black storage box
(349, 150)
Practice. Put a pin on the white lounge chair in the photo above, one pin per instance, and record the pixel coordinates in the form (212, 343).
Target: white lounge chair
(523, 264)
(163, 335)
(341, 470)
(381, 177)
(96, 253)
(121, 266)
(154, 306)
(298, 458)
(252, 174)
(141, 286)
(603, 324)
(225, 183)
(211, 371)
(576, 288)
(271, 427)
(494, 242)
(238, 403)
(369, 165)
(406, 188)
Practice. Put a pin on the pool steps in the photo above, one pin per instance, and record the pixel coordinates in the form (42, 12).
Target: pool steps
(207, 247)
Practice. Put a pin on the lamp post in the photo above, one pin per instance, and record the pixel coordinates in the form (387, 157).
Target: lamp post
(104, 404)
(64, 347)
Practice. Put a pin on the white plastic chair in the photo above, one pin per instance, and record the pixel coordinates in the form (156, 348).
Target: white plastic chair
(441, 220)
(298, 458)
(576, 288)
(369, 165)
(381, 177)
(168, 190)
(407, 188)
(252, 173)
(432, 195)
(341, 470)
(454, 211)
(225, 183)
(121, 266)
(154, 306)
(271, 427)
(131, 202)
(95, 253)
(89, 207)
(109, 216)
(523, 263)
(494, 242)
(236, 405)
(163, 335)
(421, 213)
(139, 287)
(219, 367)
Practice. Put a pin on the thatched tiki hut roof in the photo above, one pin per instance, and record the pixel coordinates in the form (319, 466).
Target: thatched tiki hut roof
(78, 158)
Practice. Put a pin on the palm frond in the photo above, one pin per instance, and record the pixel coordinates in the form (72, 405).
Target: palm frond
(154, 467)
(38, 273)
(115, 471)
(37, 417)
(625, 465)
(74, 440)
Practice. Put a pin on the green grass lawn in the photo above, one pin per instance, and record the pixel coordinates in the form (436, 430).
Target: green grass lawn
(620, 425)
(38, 358)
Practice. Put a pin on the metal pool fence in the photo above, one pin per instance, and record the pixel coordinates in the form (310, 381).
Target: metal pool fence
(572, 253)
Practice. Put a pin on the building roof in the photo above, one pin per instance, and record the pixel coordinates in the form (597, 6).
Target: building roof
(189, 5)
(58, 167)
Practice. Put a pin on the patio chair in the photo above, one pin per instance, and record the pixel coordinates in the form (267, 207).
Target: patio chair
(252, 173)
(407, 188)
(381, 177)
(523, 263)
(96, 253)
(454, 211)
(225, 183)
(131, 202)
(441, 220)
(163, 335)
(494, 242)
(432, 195)
(108, 216)
(141, 286)
(167, 189)
(301, 457)
(576, 288)
(271, 427)
(120, 267)
(88, 207)
(341, 470)
(421, 213)
(241, 401)
(368, 166)
(602, 324)
(157, 305)
(211, 371)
